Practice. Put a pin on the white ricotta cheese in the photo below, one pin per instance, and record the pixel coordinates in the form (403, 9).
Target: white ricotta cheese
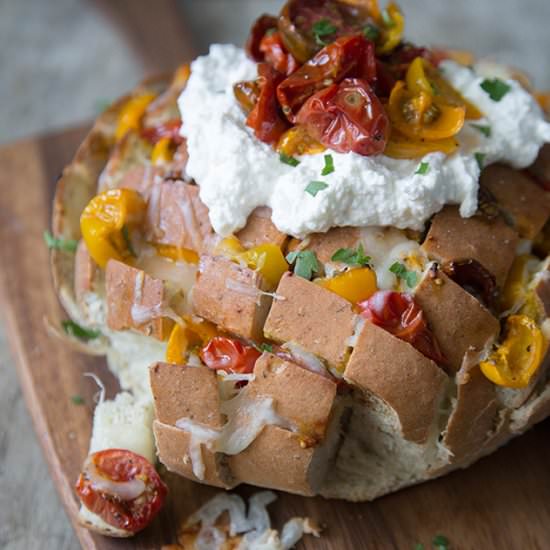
(237, 173)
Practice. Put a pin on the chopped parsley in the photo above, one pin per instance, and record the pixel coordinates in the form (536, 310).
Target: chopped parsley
(485, 130)
(387, 19)
(495, 88)
(128, 241)
(371, 32)
(440, 542)
(266, 347)
(77, 400)
(286, 159)
(313, 187)
(352, 257)
(59, 243)
(401, 272)
(74, 329)
(423, 168)
(305, 263)
(480, 159)
(329, 166)
(321, 29)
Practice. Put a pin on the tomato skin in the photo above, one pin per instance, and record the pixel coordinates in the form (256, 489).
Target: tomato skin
(170, 129)
(346, 57)
(399, 314)
(121, 465)
(275, 54)
(266, 118)
(259, 29)
(347, 117)
(229, 355)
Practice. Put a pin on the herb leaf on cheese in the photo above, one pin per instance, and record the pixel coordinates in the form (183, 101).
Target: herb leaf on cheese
(305, 263)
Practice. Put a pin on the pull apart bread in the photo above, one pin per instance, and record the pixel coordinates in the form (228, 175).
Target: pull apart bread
(347, 363)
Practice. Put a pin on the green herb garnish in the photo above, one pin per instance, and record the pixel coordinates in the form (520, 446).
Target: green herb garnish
(387, 19)
(59, 243)
(495, 88)
(418, 546)
(305, 263)
(291, 161)
(423, 168)
(313, 187)
(322, 29)
(77, 400)
(74, 329)
(401, 272)
(485, 130)
(128, 241)
(440, 542)
(371, 32)
(480, 159)
(266, 348)
(349, 256)
(329, 166)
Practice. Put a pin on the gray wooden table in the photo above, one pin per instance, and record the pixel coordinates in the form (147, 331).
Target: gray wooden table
(61, 58)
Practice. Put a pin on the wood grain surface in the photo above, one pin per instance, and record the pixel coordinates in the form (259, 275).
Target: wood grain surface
(503, 502)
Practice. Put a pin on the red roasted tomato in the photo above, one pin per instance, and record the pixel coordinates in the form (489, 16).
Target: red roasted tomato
(347, 117)
(261, 26)
(399, 314)
(347, 57)
(107, 487)
(170, 129)
(229, 355)
(275, 54)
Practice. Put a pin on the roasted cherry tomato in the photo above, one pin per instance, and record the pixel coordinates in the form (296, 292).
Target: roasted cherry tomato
(275, 54)
(266, 118)
(518, 357)
(122, 488)
(306, 26)
(392, 25)
(347, 57)
(261, 26)
(229, 355)
(296, 141)
(403, 147)
(186, 336)
(247, 94)
(131, 114)
(170, 130)
(399, 314)
(355, 285)
(347, 117)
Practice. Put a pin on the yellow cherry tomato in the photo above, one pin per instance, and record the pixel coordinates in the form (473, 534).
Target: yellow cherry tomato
(229, 247)
(402, 147)
(186, 336)
(177, 254)
(420, 117)
(106, 221)
(354, 285)
(268, 260)
(392, 26)
(515, 288)
(163, 151)
(297, 141)
(182, 74)
(517, 359)
(131, 114)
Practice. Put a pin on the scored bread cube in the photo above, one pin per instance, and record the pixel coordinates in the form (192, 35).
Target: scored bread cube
(459, 322)
(85, 270)
(526, 202)
(491, 242)
(316, 319)
(394, 371)
(259, 229)
(231, 296)
(301, 396)
(174, 451)
(177, 217)
(474, 414)
(326, 244)
(183, 391)
(541, 167)
(133, 296)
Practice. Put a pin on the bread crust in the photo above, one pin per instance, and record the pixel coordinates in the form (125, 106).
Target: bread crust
(259, 229)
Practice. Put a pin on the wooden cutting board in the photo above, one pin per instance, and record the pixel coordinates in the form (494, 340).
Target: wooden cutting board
(502, 502)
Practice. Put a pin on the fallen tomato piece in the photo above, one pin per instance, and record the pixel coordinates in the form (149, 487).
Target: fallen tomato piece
(184, 337)
(121, 487)
(516, 360)
(347, 117)
(131, 114)
(229, 355)
(355, 285)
